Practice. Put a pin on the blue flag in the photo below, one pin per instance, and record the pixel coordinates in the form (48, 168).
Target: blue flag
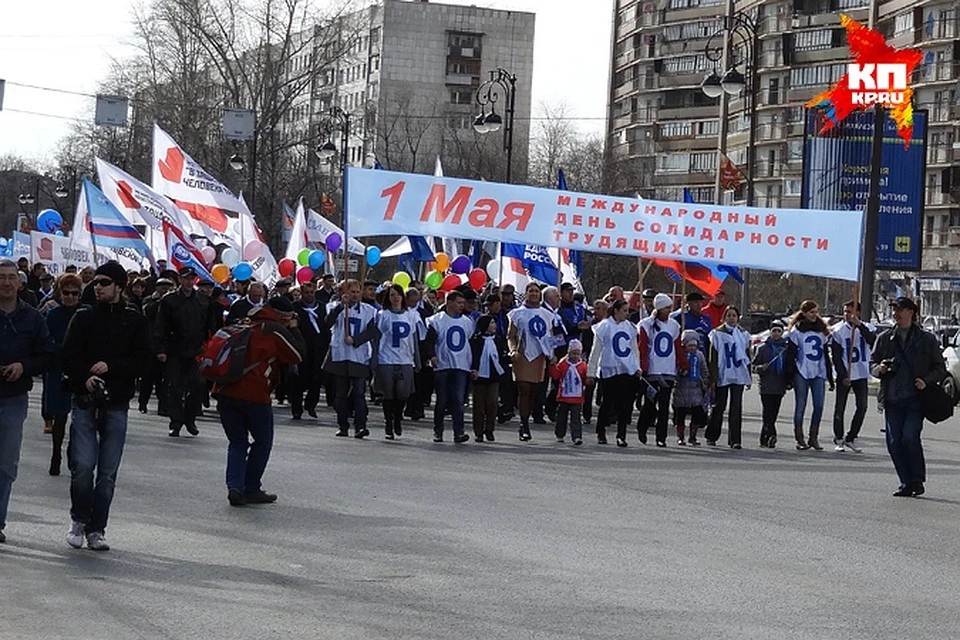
(575, 256)
(535, 260)
(108, 227)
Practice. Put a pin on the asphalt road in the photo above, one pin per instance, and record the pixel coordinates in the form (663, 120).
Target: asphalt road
(411, 539)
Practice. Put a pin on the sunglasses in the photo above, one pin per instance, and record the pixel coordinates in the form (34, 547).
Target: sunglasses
(69, 293)
(102, 282)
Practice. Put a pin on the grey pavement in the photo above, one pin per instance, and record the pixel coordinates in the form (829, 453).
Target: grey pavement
(411, 539)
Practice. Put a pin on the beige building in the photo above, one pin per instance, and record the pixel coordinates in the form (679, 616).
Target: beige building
(663, 130)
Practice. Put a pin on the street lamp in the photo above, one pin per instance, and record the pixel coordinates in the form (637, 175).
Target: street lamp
(237, 163)
(337, 118)
(502, 83)
(326, 151)
(740, 28)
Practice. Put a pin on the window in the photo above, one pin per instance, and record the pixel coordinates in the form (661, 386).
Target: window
(702, 194)
(705, 162)
(708, 128)
(463, 45)
(903, 22)
(816, 76)
(374, 64)
(791, 187)
(794, 151)
(813, 40)
(675, 130)
(692, 30)
(928, 231)
(683, 4)
(673, 163)
(773, 91)
(461, 96)
(686, 64)
(463, 68)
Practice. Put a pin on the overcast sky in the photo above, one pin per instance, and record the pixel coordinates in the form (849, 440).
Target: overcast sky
(68, 45)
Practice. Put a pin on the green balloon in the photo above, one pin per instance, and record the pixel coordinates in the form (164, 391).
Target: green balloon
(303, 257)
(434, 279)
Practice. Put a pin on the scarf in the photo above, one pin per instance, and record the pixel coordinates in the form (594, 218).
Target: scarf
(490, 357)
(312, 315)
(694, 371)
(571, 385)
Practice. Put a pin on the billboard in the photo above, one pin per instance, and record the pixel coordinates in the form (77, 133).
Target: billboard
(836, 176)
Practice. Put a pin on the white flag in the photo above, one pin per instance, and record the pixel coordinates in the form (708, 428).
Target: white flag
(298, 235)
(319, 227)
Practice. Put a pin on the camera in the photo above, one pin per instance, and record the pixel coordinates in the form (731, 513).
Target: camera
(891, 365)
(98, 397)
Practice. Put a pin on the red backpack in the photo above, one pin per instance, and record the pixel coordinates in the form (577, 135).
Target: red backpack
(225, 354)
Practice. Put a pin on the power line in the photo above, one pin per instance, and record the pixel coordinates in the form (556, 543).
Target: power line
(44, 115)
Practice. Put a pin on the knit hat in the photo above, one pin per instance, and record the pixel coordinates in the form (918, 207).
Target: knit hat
(662, 301)
(689, 336)
(483, 323)
(113, 270)
(575, 345)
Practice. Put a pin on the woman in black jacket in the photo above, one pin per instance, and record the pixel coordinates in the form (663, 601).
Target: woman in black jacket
(490, 361)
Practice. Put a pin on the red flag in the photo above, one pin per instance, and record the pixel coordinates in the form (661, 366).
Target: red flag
(731, 178)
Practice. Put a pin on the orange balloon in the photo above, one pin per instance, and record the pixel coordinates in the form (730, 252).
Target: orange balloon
(220, 273)
(441, 263)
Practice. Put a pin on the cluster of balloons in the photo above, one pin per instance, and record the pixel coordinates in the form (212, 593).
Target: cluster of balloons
(233, 263)
(6, 247)
(461, 273)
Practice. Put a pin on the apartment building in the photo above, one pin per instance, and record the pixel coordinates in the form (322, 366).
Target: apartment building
(664, 129)
(408, 79)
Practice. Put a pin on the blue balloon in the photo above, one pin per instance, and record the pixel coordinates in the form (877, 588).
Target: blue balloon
(316, 259)
(48, 221)
(59, 233)
(373, 256)
(242, 271)
(3, 242)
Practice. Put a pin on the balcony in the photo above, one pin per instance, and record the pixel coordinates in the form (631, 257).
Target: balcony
(936, 197)
(688, 113)
(939, 155)
(462, 80)
(830, 54)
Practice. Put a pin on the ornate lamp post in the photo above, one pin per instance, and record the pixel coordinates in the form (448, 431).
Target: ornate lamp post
(502, 84)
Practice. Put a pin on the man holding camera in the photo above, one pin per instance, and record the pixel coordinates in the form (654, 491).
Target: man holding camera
(25, 351)
(906, 359)
(105, 349)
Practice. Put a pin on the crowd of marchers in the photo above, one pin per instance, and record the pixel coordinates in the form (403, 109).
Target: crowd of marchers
(103, 337)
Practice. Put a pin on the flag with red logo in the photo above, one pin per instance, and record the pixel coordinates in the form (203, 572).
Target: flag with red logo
(182, 252)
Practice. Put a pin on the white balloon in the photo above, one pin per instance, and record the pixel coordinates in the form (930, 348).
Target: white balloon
(493, 270)
(230, 257)
(252, 250)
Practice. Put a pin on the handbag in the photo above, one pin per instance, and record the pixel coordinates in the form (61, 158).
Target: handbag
(936, 400)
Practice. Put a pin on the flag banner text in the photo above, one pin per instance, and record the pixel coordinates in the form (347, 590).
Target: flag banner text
(812, 242)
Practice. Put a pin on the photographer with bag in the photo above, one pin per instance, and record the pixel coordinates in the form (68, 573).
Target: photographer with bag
(105, 349)
(908, 362)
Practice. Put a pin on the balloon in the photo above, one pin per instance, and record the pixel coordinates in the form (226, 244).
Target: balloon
(477, 279)
(441, 262)
(433, 280)
(220, 273)
(59, 233)
(493, 270)
(3, 242)
(373, 256)
(303, 258)
(49, 221)
(230, 257)
(286, 267)
(460, 264)
(333, 241)
(402, 278)
(316, 259)
(209, 254)
(450, 283)
(242, 271)
(304, 274)
(252, 250)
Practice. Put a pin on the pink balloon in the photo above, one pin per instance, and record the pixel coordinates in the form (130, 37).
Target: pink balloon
(304, 274)
(209, 254)
(252, 250)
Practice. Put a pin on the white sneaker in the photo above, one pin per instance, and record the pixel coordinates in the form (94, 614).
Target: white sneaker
(75, 535)
(96, 542)
(852, 445)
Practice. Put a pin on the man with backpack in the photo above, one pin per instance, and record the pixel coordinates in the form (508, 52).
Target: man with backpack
(243, 360)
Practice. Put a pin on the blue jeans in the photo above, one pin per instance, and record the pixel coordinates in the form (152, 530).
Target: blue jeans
(13, 411)
(451, 388)
(904, 424)
(817, 387)
(95, 445)
(246, 461)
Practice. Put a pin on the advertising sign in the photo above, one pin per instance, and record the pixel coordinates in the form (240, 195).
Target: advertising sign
(837, 176)
(820, 243)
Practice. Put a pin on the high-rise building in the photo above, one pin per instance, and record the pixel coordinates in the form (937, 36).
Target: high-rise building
(663, 131)
(408, 77)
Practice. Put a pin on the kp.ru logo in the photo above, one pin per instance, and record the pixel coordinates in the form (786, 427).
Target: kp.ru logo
(872, 83)
(181, 253)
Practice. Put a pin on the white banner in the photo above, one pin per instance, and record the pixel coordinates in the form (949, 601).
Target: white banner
(318, 228)
(21, 245)
(813, 242)
(56, 253)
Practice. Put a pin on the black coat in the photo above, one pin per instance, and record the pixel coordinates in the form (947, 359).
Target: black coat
(24, 338)
(919, 357)
(183, 324)
(111, 333)
(476, 349)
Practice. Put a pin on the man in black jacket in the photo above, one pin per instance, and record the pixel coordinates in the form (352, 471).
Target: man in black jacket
(317, 337)
(906, 359)
(105, 348)
(25, 351)
(184, 323)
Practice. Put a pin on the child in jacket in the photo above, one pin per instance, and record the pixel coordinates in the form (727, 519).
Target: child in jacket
(571, 374)
(490, 361)
(692, 383)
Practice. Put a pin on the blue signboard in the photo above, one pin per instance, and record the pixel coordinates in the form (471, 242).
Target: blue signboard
(836, 176)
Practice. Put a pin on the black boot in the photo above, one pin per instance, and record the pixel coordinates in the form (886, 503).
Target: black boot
(55, 464)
